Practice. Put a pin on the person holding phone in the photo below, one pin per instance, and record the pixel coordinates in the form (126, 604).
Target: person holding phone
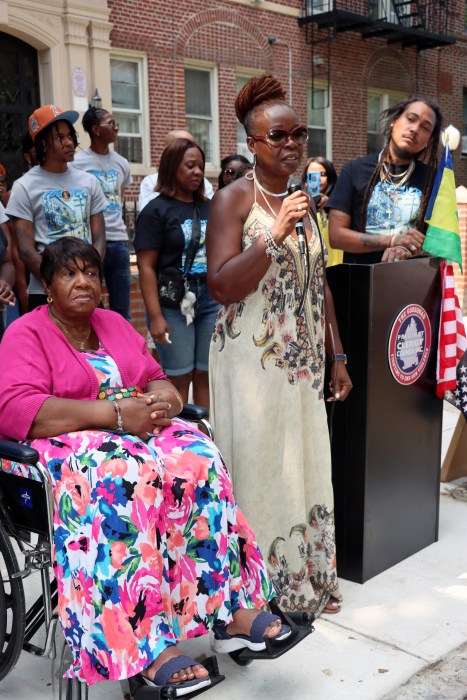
(319, 178)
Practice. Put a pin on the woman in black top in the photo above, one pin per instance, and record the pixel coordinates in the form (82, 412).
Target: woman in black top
(164, 240)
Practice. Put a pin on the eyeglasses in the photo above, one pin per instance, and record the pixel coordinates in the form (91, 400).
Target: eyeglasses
(114, 125)
(279, 137)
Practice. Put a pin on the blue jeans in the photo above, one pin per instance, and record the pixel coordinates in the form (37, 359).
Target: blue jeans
(118, 277)
(190, 344)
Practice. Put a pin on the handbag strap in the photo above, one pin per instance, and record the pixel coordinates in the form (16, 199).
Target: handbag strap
(195, 239)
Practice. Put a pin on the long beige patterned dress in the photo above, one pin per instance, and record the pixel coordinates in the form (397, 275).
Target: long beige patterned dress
(266, 373)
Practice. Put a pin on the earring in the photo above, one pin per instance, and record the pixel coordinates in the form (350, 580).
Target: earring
(49, 299)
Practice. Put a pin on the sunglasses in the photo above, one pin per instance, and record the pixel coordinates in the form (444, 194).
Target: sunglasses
(114, 125)
(279, 137)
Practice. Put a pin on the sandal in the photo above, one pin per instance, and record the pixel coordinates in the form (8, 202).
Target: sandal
(174, 665)
(225, 643)
(332, 607)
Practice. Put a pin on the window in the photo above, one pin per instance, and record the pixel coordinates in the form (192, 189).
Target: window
(318, 120)
(127, 106)
(376, 103)
(464, 122)
(242, 148)
(201, 107)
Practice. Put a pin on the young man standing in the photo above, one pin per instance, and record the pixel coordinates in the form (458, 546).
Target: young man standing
(113, 173)
(377, 207)
(53, 199)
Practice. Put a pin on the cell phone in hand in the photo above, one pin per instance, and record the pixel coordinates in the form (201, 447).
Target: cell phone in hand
(314, 183)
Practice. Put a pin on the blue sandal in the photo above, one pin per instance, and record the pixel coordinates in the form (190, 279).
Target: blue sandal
(225, 643)
(174, 665)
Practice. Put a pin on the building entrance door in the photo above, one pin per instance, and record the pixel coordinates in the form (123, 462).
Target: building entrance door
(19, 97)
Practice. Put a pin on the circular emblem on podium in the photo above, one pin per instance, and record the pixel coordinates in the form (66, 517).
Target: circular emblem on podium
(409, 344)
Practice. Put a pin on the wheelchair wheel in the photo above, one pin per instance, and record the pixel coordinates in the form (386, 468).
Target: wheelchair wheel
(13, 612)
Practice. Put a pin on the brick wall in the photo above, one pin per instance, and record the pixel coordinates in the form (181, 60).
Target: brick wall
(138, 317)
(233, 36)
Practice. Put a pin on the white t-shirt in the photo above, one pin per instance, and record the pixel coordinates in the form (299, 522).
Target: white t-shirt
(113, 173)
(58, 204)
(146, 190)
(3, 216)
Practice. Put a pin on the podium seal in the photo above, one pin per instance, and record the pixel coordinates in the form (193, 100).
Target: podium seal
(409, 344)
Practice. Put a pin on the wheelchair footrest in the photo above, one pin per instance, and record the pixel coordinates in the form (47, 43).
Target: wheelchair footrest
(141, 691)
(301, 624)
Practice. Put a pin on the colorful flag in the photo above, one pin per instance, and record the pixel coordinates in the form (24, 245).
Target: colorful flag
(452, 340)
(443, 237)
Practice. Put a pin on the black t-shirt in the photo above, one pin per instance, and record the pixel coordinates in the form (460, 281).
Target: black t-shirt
(386, 214)
(165, 224)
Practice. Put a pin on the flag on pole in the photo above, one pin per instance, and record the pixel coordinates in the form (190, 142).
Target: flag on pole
(459, 396)
(452, 340)
(443, 236)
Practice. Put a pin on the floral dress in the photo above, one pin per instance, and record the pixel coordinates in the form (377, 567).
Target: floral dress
(268, 359)
(149, 545)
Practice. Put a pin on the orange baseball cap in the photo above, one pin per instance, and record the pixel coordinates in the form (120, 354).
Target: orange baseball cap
(46, 115)
(2, 172)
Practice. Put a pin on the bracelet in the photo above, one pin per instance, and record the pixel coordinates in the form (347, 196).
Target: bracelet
(272, 249)
(181, 403)
(118, 411)
(393, 238)
(339, 357)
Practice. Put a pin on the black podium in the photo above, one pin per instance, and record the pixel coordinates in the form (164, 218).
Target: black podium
(386, 437)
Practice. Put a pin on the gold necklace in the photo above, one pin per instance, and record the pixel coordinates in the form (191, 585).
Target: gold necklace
(81, 343)
(65, 192)
(387, 176)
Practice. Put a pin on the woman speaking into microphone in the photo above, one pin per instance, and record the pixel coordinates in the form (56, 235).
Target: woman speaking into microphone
(268, 354)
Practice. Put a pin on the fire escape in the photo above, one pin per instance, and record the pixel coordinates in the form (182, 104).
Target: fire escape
(423, 24)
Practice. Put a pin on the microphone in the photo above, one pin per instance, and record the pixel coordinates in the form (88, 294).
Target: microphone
(294, 185)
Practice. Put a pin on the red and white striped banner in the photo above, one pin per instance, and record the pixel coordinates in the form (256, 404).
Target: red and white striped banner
(452, 342)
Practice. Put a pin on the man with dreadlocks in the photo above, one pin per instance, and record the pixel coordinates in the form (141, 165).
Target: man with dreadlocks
(53, 199)
(377, 208)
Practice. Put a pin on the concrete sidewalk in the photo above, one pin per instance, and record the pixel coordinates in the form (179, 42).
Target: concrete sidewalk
(402, 635)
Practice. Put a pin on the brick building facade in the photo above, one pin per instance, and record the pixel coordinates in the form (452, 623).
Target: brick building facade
(164, 64)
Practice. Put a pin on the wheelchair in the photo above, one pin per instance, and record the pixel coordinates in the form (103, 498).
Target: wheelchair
(26, 519)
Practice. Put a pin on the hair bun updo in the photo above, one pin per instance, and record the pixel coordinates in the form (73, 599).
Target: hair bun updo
(257, 91)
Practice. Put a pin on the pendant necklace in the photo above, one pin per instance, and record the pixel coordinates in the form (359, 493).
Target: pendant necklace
(101, 165)
(389, 182)
(81, 343)
(64, 191)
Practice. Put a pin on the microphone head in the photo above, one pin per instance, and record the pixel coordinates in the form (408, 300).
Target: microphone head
(294, 184)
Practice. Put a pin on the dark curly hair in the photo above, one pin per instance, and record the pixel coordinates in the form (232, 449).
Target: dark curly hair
(255, 96)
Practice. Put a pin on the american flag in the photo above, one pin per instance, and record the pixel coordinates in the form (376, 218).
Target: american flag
(451, 370)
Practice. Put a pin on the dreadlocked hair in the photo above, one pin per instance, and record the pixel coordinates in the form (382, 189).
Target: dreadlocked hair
(40, 142)
(257, 93)
(386, 121)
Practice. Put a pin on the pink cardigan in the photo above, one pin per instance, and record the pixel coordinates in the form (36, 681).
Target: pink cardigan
(37, 362)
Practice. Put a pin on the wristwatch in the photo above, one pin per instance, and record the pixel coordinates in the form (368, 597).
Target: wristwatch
(339, 358)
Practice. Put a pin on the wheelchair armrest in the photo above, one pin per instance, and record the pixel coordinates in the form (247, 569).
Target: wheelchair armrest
(18, 453)
(193, 412)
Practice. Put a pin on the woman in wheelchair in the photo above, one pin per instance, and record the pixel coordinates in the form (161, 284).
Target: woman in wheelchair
(149, 545)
